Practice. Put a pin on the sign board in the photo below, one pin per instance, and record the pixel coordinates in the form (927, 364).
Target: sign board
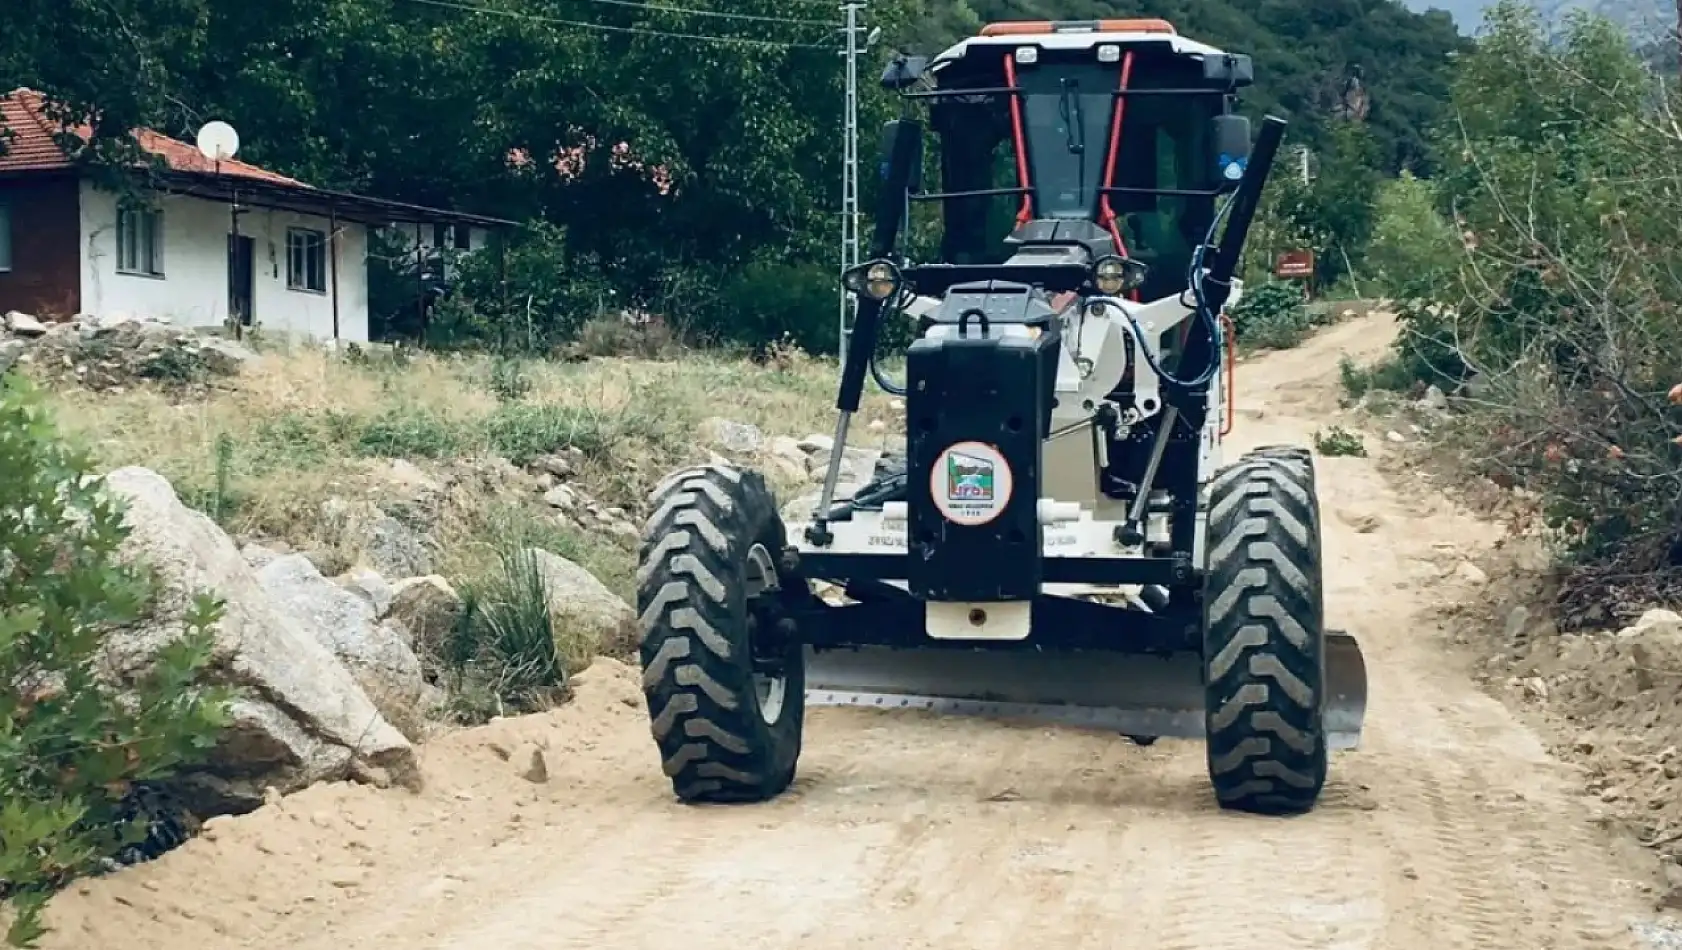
(1293, 264)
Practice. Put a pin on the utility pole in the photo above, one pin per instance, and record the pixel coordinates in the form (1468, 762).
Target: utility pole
(850, 170)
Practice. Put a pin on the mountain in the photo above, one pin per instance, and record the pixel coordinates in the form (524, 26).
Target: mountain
(1644, 18)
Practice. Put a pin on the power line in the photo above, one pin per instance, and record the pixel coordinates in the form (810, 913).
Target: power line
(606, 28)
(689, 11)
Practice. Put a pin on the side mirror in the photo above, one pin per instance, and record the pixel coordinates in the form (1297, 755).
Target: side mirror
(901, 163)
(1229, 140)
(904, 72)
(1232, 70)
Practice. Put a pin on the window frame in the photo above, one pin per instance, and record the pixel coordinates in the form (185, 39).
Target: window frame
(140, 242)
(306, 258)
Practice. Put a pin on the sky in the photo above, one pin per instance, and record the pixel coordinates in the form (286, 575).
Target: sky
(1468, 14)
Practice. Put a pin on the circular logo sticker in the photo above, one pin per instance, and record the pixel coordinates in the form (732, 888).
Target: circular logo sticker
(971, 483)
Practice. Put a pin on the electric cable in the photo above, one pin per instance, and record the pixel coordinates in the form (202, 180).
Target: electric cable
(607, 28)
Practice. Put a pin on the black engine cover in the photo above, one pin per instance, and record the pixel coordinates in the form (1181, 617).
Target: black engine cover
(977, 408)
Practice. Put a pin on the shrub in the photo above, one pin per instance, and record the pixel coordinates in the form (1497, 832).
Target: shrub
(776, 301)
(503, 649)
(1271, 315)
(1414, 251)
(75, 748)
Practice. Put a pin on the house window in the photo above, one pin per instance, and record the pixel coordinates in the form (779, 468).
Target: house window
(5, 238)
(464, 237)
(140, 242)
(306, 260)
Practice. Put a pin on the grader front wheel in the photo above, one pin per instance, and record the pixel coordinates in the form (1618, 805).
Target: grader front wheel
(727, 718)
(1264, 636)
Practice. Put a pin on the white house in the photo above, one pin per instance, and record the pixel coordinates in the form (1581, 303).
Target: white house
(219, 238)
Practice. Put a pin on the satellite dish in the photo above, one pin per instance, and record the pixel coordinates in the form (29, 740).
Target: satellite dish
(875, 34)
(218, 141)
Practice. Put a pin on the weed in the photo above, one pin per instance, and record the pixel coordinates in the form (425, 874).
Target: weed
(1339, 442)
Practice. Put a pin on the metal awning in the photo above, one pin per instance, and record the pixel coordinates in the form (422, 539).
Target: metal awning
(304, 199)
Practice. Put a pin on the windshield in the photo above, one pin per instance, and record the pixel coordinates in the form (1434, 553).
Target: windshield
(1067, 114)
(1067, 110)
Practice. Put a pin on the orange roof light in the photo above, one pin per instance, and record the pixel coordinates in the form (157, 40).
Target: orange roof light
(1025, 27)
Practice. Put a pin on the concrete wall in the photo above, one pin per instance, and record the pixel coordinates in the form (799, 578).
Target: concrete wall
(193, 290)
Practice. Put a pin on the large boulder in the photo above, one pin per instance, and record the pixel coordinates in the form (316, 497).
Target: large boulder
(588, 617)
(303, 717)
(378, 654)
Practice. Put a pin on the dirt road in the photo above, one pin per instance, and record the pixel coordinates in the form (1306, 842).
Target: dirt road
(1450, 828)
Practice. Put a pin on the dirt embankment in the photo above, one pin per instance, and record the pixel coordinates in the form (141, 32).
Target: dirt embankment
(1452, 827)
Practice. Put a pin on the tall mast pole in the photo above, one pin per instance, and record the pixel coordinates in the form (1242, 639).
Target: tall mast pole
(849, 171)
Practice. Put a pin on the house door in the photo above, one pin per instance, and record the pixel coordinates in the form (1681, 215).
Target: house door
(240, 277)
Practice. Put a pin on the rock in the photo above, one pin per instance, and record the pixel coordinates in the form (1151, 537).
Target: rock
(799, 511)
(388, 546)
(1434, 399)
(857, 464)
(405, 474)
(1585, 743)
(558, 466)
(225, 357)
(781, 446)
(583, 609)
(536, 770)
(380, 541)
(371, 585)
(1662, 626)
(377, 654)
(562, 497)
(1395, 436)
(429, 608)
(816, 443)
(304, 717)
(24, 324)
(11, 351)
(1471, 573)
(258, 555)
(1362, 522)
(740, 438)
(1517, 620)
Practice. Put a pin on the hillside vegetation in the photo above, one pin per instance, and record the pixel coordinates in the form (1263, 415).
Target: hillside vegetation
(727, 182)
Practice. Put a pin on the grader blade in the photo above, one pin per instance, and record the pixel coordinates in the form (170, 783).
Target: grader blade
(1130, 694)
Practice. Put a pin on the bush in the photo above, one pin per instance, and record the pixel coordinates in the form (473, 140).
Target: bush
(75, 749)
(1414, 251)
(503, 650)
(1272, 315)
(776, 302)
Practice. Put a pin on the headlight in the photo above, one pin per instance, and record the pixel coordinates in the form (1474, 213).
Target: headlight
(1114, 274)
(877, 280)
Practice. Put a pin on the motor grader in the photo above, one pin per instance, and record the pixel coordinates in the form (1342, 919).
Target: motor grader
(1061, 541)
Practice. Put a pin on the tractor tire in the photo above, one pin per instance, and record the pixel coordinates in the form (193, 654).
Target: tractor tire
(1289, 453)
(1264, 638)
(708, 569)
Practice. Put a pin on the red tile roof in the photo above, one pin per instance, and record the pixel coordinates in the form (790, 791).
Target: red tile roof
(31, 147)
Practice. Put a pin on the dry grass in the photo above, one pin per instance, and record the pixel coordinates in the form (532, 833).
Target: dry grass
(301, 426)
